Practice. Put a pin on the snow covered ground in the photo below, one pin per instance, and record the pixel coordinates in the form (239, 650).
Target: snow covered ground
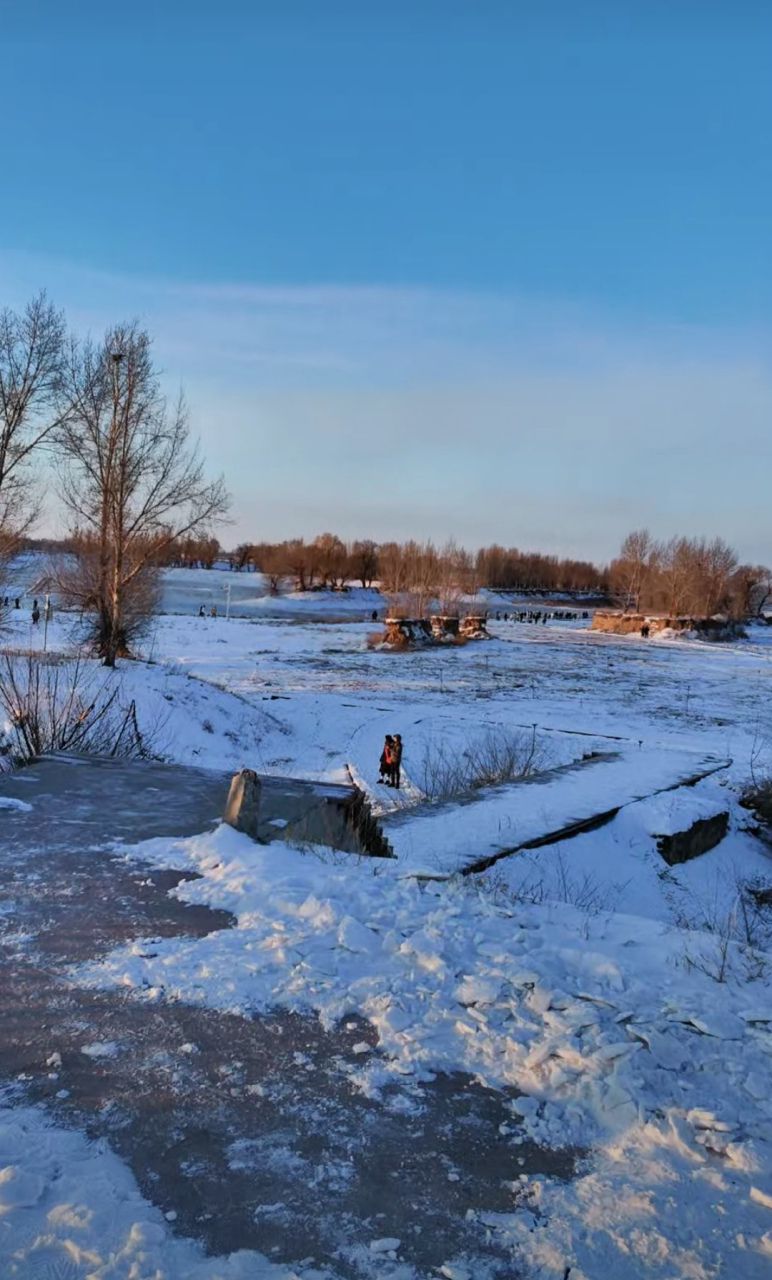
(582, 974)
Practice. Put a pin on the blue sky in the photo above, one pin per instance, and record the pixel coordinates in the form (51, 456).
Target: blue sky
(498, 270)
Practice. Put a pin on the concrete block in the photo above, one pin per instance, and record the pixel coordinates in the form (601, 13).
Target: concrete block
(242, 809)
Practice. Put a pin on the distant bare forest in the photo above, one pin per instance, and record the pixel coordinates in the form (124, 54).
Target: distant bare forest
(682, 576)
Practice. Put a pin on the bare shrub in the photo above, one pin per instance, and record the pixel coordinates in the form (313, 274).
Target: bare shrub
(52, 703)
(506, 894)
(497, 757)
(757, 797)
(729, 942)
(543, 882)
(76, 578)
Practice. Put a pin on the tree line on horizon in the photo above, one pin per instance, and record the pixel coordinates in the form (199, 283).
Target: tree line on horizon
(413, 567)
(682, 576)
(327, 562)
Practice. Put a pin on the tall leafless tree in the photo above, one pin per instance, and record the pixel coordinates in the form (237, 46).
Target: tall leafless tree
(32, 406)
(631, 571)
(364, 561)
(133, 481)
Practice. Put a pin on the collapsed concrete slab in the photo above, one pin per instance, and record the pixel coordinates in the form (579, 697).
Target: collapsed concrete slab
(304, 812)
(683, 824)
(466, 835)
(619, 623)
(699, 838)
(405, 633)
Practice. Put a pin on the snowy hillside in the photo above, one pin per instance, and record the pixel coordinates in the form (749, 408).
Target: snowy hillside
(611, 1001)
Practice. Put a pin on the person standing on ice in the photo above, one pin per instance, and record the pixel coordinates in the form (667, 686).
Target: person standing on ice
(202, 612)
(386, 759)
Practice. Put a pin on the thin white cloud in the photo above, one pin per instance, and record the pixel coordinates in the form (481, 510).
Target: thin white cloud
(403, 412)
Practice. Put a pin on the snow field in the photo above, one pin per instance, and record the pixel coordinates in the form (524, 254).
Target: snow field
(559, 974)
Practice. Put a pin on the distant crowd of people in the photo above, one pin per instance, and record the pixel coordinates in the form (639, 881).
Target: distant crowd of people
(36, 613)
(542, 615)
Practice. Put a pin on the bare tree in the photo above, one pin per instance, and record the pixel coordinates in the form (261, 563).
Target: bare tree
(299, 563)
(270, 559)
(243, 556)
(131, 478)
(631, 570)
(684, 576)
(364, 561)
(676, 562)
(331, 559)
(31, 407)
(751, 590)
(449, 578)
(716, 563)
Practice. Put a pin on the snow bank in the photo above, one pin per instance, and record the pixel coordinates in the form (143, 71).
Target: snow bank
(614, 1045)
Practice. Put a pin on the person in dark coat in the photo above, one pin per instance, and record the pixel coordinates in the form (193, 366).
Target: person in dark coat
(396, 760)
(386, 760)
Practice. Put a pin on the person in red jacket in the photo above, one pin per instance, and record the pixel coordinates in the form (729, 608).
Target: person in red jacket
(386, 759)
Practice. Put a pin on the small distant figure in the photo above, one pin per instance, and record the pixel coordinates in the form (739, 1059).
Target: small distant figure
(5, 602)
(35, 614)
(213, 611)
(645, 631)
(202, 611)
(386, 759)
(375, 615)
(16, 604)
(34, 604)
(396, 760)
